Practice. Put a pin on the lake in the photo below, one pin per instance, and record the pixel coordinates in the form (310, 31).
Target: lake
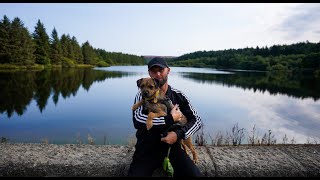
(67, 105)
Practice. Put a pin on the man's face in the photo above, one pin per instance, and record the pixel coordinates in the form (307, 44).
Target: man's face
(160, 74)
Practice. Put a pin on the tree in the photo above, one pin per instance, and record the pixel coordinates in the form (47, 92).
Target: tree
(70, 50)
(88, 53)
(21, 44)
(77, 50)
(311, 61)
(41, 40)
(56, 49)
(4, 40)
(64, 44)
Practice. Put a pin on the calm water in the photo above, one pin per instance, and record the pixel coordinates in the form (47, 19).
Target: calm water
(64, 106)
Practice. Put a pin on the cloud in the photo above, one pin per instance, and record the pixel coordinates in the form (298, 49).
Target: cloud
(295, 118)
(303, 22)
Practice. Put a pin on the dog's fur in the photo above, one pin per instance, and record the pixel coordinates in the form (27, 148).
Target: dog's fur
(158, 105)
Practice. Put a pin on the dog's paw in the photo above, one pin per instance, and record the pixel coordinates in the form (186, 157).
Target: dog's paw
(195, 161)
(162, 114)
(149, 125)
(134, 107)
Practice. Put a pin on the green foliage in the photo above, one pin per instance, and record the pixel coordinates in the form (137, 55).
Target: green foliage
(16, 46)
(295, 57)
(56, 48)
(66, 62)
(311, 61)
(10, 66)
(5, 28)
(278, 67)
(64, 45)
(88, 53)
(36, 66)
(115, 58)
(41, 39)
(78, 56)
(102, 64)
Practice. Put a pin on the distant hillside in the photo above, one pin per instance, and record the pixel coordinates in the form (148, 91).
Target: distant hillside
(148, 58)
(296, 57)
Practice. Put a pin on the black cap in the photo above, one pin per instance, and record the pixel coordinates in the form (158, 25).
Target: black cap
(157, 61)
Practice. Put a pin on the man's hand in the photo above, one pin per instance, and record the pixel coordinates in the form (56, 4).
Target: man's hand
(170, 138)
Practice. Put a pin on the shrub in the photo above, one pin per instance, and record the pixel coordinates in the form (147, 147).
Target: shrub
(66, 62)
(102, 64)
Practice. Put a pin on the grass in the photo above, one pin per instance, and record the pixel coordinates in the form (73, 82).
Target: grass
(13, 68)
(237, 136)
(84, 66)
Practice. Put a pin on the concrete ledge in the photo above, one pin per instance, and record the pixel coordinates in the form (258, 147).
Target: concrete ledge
(113, 160)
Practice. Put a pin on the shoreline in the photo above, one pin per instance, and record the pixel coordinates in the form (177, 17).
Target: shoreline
(33, 159)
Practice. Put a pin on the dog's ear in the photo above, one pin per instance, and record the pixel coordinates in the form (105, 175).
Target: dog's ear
(156, 82)
(139, 82)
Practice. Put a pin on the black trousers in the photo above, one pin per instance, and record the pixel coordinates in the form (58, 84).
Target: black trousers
(149, 156)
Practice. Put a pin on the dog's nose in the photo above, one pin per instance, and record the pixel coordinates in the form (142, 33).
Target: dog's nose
(146, 93)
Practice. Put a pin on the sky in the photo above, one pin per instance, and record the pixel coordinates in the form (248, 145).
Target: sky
(173, 29)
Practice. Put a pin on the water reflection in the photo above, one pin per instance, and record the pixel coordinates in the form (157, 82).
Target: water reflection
(63, 104)
(19, 88)
(298, 86)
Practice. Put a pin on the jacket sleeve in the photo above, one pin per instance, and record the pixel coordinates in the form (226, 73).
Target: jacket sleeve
(194, 121)
(140, 116)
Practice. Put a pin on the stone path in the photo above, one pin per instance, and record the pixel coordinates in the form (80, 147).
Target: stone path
(113, 160)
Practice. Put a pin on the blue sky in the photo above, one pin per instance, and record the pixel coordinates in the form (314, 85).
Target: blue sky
(169, 29)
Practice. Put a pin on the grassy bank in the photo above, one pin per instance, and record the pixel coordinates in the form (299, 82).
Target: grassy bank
(38, 67)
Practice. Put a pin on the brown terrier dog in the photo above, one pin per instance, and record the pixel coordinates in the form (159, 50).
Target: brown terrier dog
(158, 105)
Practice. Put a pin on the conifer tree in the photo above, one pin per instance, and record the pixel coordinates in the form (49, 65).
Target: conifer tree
(56, 48)
(4, 40)
(70, 50)
(41, 40)
(64, 44)
(77, 50)
(88, 53)
(21, 44)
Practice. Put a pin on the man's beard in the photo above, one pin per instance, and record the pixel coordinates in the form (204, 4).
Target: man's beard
(163, 81)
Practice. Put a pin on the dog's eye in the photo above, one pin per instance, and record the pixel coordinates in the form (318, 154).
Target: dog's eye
(151, 87)
(142, 86)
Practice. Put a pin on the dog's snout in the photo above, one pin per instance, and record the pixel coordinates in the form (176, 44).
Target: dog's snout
(146, 92)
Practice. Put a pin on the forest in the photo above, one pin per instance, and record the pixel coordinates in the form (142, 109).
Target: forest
(298, 57)
(21, 48)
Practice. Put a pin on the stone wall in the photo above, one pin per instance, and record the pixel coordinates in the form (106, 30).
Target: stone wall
(113, 160)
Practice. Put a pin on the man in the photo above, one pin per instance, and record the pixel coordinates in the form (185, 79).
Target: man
(152, 146)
